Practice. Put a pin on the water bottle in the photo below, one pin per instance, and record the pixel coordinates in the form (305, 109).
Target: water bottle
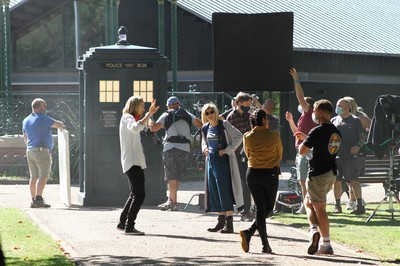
(309, 155)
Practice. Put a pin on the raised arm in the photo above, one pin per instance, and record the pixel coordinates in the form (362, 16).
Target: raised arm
(289, 118)
(299, 90)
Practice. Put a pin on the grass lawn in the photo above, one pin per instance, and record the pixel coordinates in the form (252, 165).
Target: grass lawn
(23, 243)
(379, 237)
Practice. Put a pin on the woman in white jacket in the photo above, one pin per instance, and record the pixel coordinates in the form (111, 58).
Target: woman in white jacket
(223, 188)
(132, 159)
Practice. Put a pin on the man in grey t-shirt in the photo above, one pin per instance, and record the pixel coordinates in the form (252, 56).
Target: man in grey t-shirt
(176, 146)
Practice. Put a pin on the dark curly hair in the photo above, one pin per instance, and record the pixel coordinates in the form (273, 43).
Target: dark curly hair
(257, 116)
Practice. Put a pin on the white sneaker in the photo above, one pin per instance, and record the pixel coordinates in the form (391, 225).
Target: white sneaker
(351, 205)
(325, 250)
(165, 204)
(301, 210)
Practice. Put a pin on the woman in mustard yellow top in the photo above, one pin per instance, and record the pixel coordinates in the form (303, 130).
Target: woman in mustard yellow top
(263, 148)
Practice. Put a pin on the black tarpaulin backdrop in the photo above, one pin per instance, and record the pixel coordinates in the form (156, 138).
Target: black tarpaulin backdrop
(253, 52)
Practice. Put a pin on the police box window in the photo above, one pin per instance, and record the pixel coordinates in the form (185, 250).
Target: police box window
(109, 91)
(143, 88)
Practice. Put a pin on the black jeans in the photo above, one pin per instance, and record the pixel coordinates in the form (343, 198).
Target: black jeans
(242, 171)
(263, 184)
(136, 196)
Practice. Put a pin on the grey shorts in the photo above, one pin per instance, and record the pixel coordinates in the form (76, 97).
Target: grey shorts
(39, 162)
(175, 162)
(349, 169)
(301, 167)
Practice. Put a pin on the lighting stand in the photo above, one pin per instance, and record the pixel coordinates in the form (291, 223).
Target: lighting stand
(390, 195)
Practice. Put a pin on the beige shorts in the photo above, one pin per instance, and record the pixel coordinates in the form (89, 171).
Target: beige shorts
(39, 162)
(319, 186)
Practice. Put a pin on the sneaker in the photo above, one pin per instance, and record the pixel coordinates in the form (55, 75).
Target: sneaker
(133, 231)
(121, 227)
(247, 217)
(245, 235)
(314, 241)
(338, 209)
(39, 203)
(243, 217)
(364, 203)
(359, 210)
(325, 250)
(301, 210)
(174, 207)
(351, 205)
(164, 204)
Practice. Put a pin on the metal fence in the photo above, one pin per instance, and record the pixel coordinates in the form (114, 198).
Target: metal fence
(61, 106)
(65, 107)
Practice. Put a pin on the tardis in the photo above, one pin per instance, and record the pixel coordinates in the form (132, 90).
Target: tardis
(109, 75)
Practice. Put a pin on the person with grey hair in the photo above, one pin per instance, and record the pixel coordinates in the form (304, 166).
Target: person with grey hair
(38, 138)
(269, 107)
(348, 163)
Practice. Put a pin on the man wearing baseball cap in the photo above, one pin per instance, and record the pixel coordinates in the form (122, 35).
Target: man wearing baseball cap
(176, 146)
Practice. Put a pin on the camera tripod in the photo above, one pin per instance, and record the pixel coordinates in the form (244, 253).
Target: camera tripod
(390, 196)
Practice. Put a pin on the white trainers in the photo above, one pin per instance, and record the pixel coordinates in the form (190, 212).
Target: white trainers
(165, 204)
(325, 250)
(301, 210)
(314, 241)
(351, 205)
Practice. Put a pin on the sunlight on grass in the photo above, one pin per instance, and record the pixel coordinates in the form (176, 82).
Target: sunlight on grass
(24, 243)
(379, 237)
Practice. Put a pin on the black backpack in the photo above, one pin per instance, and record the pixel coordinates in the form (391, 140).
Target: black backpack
(175, 115)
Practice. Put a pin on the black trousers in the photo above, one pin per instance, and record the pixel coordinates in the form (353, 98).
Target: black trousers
(242, 164)
(263, 185)
(136, 196)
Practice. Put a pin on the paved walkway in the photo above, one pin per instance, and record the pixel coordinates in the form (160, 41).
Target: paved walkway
(89, 235)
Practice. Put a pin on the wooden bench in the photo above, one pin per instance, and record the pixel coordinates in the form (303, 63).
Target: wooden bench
(377, 170)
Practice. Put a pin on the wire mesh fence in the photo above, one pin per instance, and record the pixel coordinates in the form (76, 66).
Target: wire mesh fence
(65, 107)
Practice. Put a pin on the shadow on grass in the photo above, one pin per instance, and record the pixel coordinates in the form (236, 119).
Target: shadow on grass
(56, 260)
(381, 218)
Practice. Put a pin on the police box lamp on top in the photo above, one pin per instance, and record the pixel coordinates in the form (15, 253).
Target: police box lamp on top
(385, 125)
(172, 100)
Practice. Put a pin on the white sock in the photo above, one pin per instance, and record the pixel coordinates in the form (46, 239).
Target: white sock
(326, 241)
(313, 227)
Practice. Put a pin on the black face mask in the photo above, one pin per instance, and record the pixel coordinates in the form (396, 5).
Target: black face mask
(245, 109)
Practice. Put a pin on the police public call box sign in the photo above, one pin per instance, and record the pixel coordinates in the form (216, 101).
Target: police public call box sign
(127, 65)
(109, 119)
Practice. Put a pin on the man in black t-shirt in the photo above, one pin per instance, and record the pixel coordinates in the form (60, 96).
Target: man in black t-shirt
(324, 140)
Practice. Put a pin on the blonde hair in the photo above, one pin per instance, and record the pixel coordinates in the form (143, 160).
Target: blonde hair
(132, 105)
(353, 105)
(204, 118)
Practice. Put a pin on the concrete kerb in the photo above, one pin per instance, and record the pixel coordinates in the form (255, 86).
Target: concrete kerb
(69, 252)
